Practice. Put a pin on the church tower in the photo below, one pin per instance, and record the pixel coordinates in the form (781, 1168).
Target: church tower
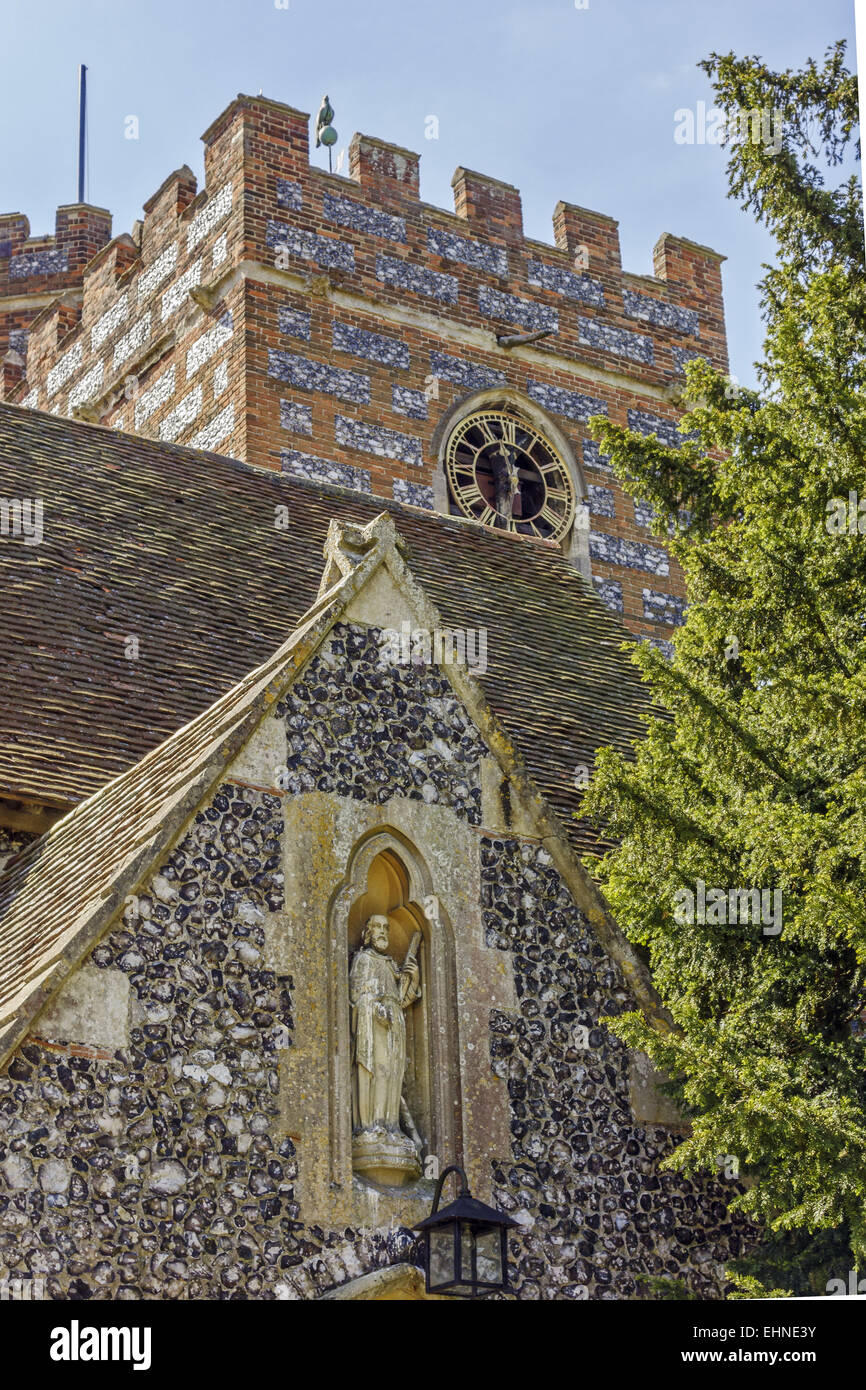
(336, 327)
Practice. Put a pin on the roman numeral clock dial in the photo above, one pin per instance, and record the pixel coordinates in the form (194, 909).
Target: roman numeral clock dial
(504, 474)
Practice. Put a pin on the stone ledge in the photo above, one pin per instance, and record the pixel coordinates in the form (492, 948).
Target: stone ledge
(403, 1282)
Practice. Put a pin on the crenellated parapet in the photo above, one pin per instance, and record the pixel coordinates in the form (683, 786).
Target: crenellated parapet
(330, 324)
(31, 264)
(34, 270)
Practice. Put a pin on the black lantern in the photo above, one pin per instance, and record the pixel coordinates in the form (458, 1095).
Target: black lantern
(467, 1244)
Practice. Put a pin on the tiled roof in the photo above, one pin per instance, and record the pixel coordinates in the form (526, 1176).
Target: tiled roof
(63, 890)
(182, 551)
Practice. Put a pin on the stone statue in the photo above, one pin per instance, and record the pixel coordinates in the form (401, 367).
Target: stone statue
(380, 991)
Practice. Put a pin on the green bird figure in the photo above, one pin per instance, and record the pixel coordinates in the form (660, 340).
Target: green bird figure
(324, 118)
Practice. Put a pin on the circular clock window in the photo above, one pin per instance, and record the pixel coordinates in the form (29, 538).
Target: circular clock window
(502, 472)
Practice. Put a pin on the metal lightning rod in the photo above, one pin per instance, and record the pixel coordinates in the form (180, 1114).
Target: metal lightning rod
(82, 127)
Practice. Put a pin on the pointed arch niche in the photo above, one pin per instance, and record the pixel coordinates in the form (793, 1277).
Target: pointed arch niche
(388, 875)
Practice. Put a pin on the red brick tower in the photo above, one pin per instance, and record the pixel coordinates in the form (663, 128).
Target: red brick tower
(339, 328)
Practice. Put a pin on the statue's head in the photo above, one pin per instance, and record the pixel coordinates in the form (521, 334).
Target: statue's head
(377, 933)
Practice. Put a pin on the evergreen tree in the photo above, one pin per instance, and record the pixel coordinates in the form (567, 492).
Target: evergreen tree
(753, 772)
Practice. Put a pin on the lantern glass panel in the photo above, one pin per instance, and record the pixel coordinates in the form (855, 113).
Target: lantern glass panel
(442, 1269)
(467, 1242)
(488, 1254)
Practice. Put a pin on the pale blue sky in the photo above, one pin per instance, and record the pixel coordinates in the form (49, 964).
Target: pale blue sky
(564, 103)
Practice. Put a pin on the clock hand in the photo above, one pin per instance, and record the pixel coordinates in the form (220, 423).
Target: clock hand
(508, 452)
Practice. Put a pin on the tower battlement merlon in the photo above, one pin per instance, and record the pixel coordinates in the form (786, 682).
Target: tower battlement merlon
(30, 263)
(494, 207)
(590, 239)
(35, 269)
(164, 209)
(385, 172)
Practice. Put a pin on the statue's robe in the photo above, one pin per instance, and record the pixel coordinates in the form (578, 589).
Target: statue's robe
(379, 1047)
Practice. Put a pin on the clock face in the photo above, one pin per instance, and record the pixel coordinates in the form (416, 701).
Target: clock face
(506, 475)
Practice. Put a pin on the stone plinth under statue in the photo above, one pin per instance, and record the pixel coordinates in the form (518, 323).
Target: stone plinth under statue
(379, 993)
(385, 1156)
